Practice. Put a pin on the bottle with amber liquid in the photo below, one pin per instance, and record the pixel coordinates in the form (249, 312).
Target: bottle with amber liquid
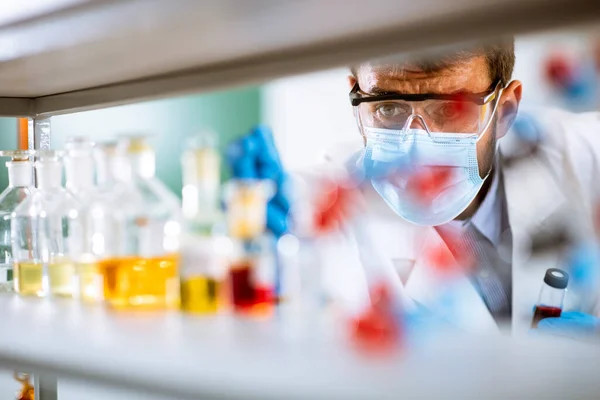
(107, 208)
(143, 272)
(252, 269)
(44, 230)
(552, 296)
(205, 246)
(20, 186)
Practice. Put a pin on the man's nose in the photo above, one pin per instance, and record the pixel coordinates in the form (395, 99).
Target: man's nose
(416, 121)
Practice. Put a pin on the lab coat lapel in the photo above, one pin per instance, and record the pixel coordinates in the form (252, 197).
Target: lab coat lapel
(533, 196)
(451, 297)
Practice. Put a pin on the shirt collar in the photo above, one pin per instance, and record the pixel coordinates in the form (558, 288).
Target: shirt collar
(488, 217)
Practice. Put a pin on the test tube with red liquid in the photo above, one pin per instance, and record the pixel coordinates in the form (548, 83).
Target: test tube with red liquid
(552, 296)
(252, 270)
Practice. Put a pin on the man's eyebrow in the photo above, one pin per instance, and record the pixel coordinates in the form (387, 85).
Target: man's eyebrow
(376, 90)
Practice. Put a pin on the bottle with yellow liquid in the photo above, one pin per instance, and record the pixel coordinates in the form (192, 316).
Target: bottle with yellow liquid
(252, 267)
(20, 186)
(205, 246)
(143, 272)
(45, 229)
(90, 245)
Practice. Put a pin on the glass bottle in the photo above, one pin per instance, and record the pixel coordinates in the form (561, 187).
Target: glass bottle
(144, 271)
(45, 230)
(20, 186)
(552, 295)
(252, 270)
(205, 245)
(79, 174)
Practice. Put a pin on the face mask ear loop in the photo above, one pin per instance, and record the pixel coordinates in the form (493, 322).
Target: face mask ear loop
(484, 130)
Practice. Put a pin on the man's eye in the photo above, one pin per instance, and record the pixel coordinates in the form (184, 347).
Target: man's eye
(388, 110)
(454, 110)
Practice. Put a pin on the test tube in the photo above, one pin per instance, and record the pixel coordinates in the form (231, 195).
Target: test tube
(252, 271)
(552, 295)
(204, 247)
(246, 201)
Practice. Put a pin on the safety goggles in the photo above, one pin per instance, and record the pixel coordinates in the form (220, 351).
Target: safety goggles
(468, 113)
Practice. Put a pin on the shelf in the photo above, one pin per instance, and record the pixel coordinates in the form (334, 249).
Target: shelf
(97, 53)
(226, 358)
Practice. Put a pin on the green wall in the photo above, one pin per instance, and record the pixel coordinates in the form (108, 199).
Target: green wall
(8, 141)
(170, 122)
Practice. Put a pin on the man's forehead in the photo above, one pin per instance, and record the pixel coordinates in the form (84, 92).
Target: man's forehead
(465, 75)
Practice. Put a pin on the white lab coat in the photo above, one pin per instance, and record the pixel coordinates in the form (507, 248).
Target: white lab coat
(380, 243)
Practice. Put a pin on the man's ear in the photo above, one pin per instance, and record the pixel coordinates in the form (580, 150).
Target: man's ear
(351, 81)
(508, 107)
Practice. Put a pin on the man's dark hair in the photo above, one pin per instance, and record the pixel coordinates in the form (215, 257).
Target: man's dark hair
(499, 54)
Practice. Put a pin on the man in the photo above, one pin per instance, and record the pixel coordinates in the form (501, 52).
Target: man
(430, 131)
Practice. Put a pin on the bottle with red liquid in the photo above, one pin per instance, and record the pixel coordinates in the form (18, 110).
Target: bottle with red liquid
(252, 269)
(552, 295)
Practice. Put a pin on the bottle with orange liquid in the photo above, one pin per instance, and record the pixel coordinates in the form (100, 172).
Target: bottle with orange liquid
(205, 246)
(143, 272)
(252, 269)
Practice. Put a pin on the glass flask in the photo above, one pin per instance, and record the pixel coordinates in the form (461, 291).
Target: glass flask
(252, 269)
(205, 246)
(45, 230)
(552, 296)
(143, 273)
(20, 186)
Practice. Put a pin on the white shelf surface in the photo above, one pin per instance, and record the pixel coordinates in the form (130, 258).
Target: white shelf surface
(225, 358)
(85, 54)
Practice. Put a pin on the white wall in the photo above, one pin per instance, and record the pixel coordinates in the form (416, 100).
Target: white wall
(309, 114)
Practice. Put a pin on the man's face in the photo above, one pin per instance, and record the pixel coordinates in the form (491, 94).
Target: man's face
(470, 75)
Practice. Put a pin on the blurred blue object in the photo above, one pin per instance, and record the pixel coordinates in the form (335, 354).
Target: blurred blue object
(255, 156)
(573, 324)
(583, 262)
(582, 89)
(527, 129)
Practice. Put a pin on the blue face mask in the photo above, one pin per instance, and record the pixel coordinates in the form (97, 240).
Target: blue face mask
(391, 157)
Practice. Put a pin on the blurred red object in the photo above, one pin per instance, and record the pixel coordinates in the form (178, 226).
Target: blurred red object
(451, 256)
(334, 206)
(458, 108)
(377, 330)
(441, 258)
(428, 183)
(559, 70)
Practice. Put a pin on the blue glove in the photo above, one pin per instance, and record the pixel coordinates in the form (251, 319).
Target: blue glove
(255, 156)
(572, 324)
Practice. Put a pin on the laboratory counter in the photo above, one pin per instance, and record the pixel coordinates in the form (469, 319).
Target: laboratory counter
(183, 356)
